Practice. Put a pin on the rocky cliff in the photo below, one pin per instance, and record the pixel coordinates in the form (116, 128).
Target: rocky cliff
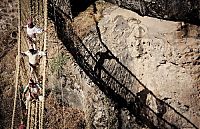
(184, 10)
(162, 55)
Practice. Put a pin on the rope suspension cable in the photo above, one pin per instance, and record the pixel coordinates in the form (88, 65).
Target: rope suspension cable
(31, 9)
(40, 16)
(36, 114)
(37, 104)
(28, 118)
(20, 102)
(17, 62)
(34, 11)
(32, 115)
(21, 87)
(37, 10)
(29, 104)
(41, 23)
(40, 112)
(44, 62)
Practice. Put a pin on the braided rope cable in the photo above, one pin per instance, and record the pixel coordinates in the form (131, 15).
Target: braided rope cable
(32, 115)
(39, 122)
(36, 115)
(44, 62)
(29, 114)
(17, 62)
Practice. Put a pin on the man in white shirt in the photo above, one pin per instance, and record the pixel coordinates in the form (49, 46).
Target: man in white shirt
(34, 56)
(32, 30)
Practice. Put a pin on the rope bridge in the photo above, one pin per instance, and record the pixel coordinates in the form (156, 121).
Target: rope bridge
(37, 10)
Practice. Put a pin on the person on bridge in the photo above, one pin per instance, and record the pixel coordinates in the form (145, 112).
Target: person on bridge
(22, 125)
(33, 89)
(34, 56)
(32, 30)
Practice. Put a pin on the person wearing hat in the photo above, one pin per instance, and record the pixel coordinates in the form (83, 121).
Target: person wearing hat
(34, 56)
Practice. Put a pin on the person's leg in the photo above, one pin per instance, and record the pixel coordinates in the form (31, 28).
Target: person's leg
(35, 74)
(41, 98)
(31, 43)
(34, 46)
(32, 71)
(28, 98)
(34, 37)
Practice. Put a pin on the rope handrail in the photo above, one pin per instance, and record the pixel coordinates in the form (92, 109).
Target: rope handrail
(44, 62)
(28, 117)
(17, 62)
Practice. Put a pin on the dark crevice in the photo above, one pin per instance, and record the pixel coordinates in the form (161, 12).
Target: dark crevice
(78, 6)
(187, 11)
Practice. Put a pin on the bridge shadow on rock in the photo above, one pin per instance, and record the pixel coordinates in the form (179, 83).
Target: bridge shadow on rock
(114, 79)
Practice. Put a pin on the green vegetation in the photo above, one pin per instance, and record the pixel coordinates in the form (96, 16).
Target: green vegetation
(56, 65)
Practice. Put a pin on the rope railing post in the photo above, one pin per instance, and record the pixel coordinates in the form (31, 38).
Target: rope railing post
(17, 63)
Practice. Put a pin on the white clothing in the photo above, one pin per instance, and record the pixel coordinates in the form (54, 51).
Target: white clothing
(34, 30)
(41, 98)
(33, 58)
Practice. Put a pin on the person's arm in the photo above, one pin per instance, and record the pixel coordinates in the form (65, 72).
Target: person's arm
(39, 89)
(41, 53)
(24, 26)
(25, 89)
(26, 53)
(38, 30)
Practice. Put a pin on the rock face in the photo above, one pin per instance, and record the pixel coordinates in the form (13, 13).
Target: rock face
(8, 26)
(185, 10)
(148, 63)
(8, 39)
(160, 54)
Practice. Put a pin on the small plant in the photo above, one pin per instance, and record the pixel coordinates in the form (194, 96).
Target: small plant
(57, 63)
